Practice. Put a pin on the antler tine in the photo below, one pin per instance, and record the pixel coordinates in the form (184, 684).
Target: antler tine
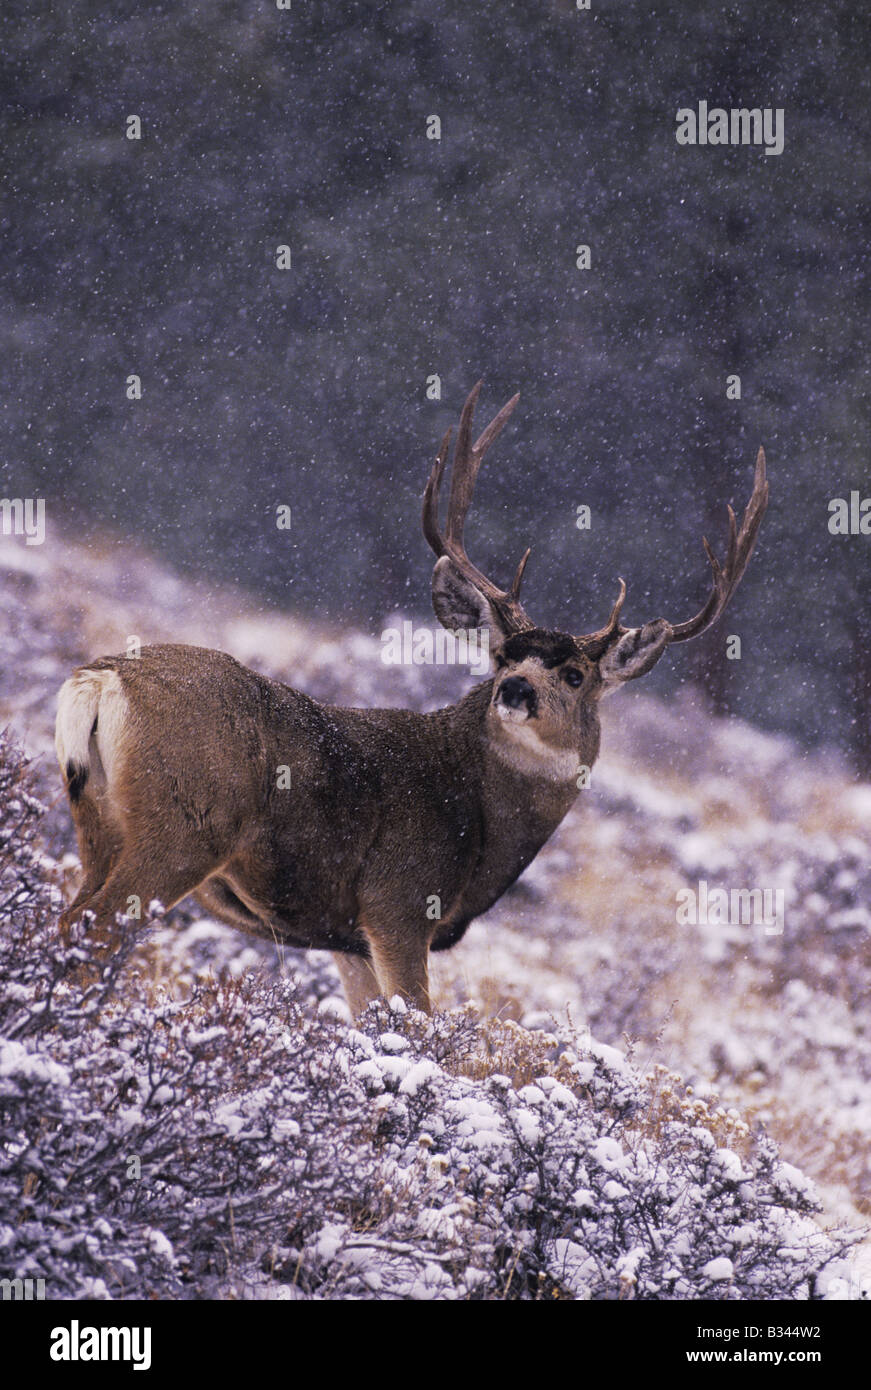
(467, 461)
(462, 486)
(593, 641)
(726, 578)
(514, 591)
(494, 429)
(740, 548)
(617, 609)
(431, 498)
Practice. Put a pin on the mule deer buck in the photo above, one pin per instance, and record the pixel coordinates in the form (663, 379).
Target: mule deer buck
(170, 761)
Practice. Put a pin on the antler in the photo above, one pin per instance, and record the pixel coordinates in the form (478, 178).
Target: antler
(467, 461)
(726, 578)
(596, 643)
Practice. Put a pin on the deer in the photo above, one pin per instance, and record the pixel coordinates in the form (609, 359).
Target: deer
(394, 829)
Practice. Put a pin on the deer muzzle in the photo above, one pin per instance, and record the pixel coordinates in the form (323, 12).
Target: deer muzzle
(516, 696)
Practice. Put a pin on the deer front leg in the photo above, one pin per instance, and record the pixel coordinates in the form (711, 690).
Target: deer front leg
(400, 959)
(359, 981)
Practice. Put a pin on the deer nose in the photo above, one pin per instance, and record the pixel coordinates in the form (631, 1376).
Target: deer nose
(516, 691)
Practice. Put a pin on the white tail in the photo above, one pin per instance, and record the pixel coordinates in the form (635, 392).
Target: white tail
(92, 715)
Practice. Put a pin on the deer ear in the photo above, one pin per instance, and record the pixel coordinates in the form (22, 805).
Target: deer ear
(460, 606)
(636, 653)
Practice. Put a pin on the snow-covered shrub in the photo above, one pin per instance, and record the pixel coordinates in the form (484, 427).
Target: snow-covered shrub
(241, 1137)
(587, 1183)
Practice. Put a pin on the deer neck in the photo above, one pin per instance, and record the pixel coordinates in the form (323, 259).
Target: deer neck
(527, 785)
(518, 802)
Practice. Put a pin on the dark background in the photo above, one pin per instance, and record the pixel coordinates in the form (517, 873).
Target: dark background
(412, 257)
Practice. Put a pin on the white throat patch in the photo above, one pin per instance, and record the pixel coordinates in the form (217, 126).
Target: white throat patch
(519, 744)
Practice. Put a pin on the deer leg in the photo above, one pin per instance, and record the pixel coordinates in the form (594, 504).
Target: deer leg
(359, 981)
(100, 841)
(139, 874)
(401, 964)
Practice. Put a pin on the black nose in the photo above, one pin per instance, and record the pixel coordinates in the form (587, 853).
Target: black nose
(516, 691)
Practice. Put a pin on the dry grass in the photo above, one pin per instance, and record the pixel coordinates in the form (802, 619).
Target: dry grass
(671, 1099)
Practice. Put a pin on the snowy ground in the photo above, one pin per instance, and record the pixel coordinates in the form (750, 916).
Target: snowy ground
(777, 1022)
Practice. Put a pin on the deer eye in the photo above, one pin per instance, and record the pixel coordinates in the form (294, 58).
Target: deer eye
(573, 676)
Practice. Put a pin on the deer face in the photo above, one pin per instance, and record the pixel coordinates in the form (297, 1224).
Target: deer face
(547, 685)
(542, 676)
(542, 716)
